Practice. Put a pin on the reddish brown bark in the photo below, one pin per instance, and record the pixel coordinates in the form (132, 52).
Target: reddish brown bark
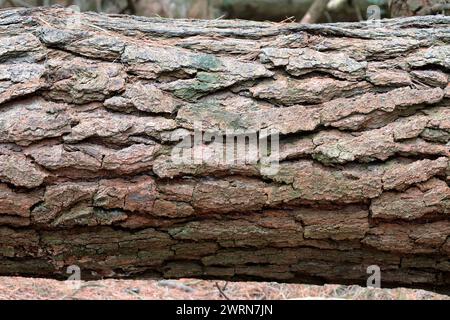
(90, 114)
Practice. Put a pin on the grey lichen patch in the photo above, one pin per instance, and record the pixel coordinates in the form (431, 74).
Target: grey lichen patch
(401, 175)
(231, 72)
(212, 73)
(170, 58)
(88, 216)
(23, 48)
(311, 90)
(19, 80)
(60, 198)
(388, 77)
(203, 84)
(88, 157)
(143, 97)
(16, 169)
(429, 198)
(313, 182)
(436, 55)
(380, 144)
(434, 78)
(302, 61)
(354, 113)
(375, 144)
(59, 37)
(83, 43)
(436, 135)
(116, 128)
(33, 120)
(81, 81)
(55, 157)
(165, 167)
(233, 113)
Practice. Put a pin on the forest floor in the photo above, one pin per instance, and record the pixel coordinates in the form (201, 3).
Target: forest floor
(43, 289)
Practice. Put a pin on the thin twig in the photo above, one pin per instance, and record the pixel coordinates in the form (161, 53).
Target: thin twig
(45, 22)
(359, 15)
(315, 11)
(288, 20)
(221, 17)
(222, 289)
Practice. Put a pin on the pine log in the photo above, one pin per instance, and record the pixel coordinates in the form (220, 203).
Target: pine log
(92, 107)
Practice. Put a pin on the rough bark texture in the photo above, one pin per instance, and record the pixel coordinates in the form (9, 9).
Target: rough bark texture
(89, 116)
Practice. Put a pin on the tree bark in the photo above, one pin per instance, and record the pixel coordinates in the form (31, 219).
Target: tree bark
(93, 107)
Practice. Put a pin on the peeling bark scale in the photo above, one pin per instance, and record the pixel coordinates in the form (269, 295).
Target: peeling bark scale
(91, 107)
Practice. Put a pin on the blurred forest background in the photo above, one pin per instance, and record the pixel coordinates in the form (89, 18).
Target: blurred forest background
(307, 11)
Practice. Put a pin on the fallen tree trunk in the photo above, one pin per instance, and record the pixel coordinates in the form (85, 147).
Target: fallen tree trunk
(93, 108)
